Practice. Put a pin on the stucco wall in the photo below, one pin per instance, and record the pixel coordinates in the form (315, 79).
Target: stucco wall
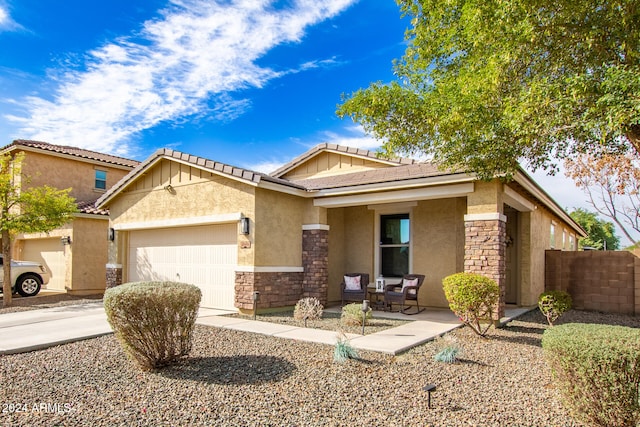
(89, 244)
(62, 173)
(193, 193)
(486, 198)
(438, 245)
(337, 258)
(278, 229)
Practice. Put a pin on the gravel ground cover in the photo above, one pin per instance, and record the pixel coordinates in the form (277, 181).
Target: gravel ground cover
(241, 379)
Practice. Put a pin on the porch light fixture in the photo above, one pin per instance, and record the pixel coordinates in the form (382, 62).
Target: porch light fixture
(429, 388)
(244, 225)
(66, 240)
(365, 308)
(111, 234)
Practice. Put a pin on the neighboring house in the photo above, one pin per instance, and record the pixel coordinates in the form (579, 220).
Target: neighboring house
(89, 175)
(331, 211)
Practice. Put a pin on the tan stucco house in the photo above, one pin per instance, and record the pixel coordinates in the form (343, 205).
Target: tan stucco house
(331, 211)
(76, 253)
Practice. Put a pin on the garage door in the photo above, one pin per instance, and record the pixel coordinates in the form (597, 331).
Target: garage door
(50, 252)
(205, 256)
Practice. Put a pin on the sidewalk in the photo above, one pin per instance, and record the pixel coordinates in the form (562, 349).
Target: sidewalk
(37, 329)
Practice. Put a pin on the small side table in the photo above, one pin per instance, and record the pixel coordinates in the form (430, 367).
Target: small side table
(376, 298)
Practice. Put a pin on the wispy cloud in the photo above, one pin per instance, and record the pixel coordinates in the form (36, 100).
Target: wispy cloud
(187, 63)
(6, 22)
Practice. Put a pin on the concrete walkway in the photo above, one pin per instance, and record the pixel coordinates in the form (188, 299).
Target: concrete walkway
(37, 329)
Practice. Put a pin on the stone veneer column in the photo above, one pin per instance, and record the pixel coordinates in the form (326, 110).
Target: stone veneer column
(484, 250)
(114, 275)
(315, 261)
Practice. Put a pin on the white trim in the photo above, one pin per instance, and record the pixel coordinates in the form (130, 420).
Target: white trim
(91, 216)
(254, 269)
(437, 192)
(315, 227)
(390, 210)
(492, 216)
(180, 222)
(114, 265)
(517, 201)
(282, 188)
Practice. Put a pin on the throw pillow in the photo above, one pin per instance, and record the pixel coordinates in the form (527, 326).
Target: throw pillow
(352, 283)
(412, 282)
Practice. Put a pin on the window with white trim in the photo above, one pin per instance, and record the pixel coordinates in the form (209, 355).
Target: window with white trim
(552, 235)
(101, 180)
(394, 245)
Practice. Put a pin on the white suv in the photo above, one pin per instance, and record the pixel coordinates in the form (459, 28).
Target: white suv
(27, 277)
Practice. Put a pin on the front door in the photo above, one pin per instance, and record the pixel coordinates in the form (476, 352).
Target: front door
(511, 256)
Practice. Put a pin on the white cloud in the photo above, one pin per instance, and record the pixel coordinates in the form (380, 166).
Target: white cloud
(4, 16)
(184, 64)
(6, 22)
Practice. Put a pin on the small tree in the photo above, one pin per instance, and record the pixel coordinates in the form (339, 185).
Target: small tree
(27, 210)
(600, 233)
(554, 304)
(473, 298)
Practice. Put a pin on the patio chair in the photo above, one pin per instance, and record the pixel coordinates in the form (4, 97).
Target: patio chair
(404, 292)
(354, 287)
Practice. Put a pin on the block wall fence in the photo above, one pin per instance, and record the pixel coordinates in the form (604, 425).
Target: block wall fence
(606, 281)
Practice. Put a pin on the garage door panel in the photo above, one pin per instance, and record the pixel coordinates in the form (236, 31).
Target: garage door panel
(205, 256)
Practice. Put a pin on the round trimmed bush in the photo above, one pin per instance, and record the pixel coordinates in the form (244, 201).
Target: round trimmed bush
(352, 315)
(473, 298)
(153, 321)
(554, 304)
(596, 368)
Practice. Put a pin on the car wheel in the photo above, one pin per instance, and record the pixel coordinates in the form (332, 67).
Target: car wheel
(28, 285)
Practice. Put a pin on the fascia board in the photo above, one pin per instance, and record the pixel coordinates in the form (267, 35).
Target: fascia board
(425, 193)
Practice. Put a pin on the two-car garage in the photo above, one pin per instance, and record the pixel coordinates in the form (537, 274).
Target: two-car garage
(203, 255)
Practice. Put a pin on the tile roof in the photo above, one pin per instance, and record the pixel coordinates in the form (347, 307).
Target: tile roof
(340, 149)
(211, 165)
(72, 151)
(89, 207)
(375, 176)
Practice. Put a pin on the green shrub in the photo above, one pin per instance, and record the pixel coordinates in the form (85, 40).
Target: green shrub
(596, 368)
(153, 321)
(352, 315)
(308, 309)
(554, 304)
(473, 298)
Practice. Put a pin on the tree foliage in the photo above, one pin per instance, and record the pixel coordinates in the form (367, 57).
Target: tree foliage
(598, 231)
(485, 84)
(27, 210)
(612, 183)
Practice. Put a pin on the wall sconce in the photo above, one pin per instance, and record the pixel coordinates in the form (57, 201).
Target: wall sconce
(168, 187)
(111, 234)
(244, 225)
(66, 240)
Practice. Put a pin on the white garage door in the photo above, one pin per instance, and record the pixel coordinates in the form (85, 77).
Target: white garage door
(49, 252)
(205, 256)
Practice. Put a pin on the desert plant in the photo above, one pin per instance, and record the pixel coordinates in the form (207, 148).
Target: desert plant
(308, 309)
(352, 315)
(473, 298)
(153, 321)
(448, 350)
(554, 304)
(343, 350)
(596, 368)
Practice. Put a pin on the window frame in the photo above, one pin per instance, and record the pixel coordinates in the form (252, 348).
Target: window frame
(97, 180)
(395, 209)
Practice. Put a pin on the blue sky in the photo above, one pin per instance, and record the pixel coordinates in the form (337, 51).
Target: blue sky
(252, 83)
